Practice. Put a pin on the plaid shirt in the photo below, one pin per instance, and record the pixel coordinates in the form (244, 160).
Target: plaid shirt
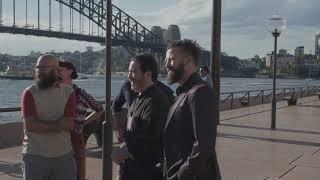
(84, 102)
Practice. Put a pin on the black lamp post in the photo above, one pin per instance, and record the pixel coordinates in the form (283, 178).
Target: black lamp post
(276, 24)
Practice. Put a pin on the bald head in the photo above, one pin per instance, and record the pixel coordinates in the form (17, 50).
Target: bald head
(47, 60)
(47, 71)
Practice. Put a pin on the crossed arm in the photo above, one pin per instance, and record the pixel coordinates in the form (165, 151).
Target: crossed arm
(32, 123)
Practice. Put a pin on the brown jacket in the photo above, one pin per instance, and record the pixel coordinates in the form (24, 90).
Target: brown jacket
(190, 133)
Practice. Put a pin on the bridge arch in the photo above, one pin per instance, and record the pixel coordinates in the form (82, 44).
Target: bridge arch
(126, 31)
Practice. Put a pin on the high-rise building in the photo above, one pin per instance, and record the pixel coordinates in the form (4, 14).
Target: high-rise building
(283, 52)
(299, 51)
(282, 61)
(317, 47)
(164, 33)
(173, 33)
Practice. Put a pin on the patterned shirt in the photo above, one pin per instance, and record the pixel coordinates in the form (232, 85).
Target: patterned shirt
(84, 102)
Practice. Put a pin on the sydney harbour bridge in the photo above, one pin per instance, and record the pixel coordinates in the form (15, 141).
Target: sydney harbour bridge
(83, 20)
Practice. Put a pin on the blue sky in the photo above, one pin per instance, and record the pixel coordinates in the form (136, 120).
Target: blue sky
(243, 30)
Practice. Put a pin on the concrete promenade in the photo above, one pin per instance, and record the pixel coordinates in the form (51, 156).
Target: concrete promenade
(247, 149)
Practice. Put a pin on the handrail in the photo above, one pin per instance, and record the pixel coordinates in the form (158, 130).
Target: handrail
(230, 96)
(10, 109)
(292, 92)
(284, 91)
(224, 100)
(238, 92)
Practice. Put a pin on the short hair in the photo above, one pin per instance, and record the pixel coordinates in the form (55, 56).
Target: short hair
(69, 65)
(188, 47)
(147, 63)
(204, 67)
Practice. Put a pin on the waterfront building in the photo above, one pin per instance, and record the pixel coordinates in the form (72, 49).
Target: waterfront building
(283, 52)
(317, 47)
(299, 51)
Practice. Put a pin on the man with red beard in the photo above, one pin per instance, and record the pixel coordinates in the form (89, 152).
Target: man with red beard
(48, 110)
(142, 149)
(191, 127)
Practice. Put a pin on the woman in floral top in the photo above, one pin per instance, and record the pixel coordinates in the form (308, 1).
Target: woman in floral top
(84, 101)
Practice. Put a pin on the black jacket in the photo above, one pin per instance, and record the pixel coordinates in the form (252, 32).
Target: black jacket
(146, 120)
(190, 133)
(127, 95)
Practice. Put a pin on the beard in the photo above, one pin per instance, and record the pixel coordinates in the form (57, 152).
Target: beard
(136, 85)
(175, 75)
(45, 81)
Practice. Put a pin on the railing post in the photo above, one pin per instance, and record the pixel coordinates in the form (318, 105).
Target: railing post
(249, 98)
(308, 91)
(262, 101)
(301, 93)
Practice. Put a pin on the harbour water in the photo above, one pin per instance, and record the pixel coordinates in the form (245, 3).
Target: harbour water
(11, 90)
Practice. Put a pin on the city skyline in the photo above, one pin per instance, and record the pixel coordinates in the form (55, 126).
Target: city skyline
(243, 30)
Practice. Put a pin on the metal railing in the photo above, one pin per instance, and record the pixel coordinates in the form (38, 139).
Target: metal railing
(243, 96)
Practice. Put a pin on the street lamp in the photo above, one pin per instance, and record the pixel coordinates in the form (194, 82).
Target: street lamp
(275, 25)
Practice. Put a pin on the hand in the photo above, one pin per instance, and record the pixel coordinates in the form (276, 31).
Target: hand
(120, 153)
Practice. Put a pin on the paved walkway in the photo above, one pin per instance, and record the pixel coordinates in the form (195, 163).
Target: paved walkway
(247, 148)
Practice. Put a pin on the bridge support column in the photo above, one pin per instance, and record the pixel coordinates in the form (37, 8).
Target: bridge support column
(0, 12)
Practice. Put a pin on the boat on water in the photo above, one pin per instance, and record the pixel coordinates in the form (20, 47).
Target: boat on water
(18, 73)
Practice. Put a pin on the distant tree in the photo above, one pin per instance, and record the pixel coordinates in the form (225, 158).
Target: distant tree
(256, 59)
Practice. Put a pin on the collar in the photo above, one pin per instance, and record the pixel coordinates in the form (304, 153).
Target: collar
(193, 79)
(147, 91)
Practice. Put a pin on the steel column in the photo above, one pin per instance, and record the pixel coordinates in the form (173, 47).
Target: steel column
(26, 13)
(50, 13)
(276, 34)
(107, 129)
(38, 14)
(14, 13)
(0, 12)
(61, 16)
(216, 54)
